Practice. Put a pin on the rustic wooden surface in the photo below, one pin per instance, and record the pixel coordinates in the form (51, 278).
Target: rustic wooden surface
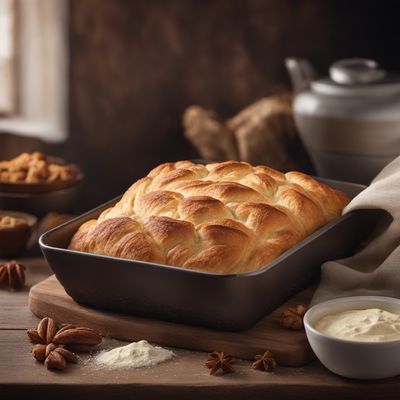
(291, 348)
(183, 378)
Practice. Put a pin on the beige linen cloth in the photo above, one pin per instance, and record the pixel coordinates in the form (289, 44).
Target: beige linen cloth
(375, 270)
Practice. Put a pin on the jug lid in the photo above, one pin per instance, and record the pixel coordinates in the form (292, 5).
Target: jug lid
(357, 76)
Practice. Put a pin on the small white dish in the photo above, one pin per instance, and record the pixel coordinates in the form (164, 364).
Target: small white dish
(350, 358)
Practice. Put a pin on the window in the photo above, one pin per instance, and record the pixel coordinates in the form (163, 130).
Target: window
(7, 57)
(34, 68)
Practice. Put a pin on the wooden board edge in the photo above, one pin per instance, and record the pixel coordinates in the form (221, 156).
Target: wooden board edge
(298, 357)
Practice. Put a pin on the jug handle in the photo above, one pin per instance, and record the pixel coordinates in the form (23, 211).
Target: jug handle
(301, 73)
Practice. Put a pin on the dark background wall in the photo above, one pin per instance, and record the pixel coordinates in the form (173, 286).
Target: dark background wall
(136, 65)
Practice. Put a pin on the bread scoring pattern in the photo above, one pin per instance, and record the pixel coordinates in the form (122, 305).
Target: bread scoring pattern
(222, 218)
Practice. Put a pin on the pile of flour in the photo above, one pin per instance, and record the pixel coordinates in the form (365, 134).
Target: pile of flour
(134, 355)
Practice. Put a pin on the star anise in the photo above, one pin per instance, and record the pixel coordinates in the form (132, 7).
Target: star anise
(220, 360)
(44, 333)
(54, 346)
(52, 356)
(292, 317)
(264, 362)
(68, 335)
(12, 274)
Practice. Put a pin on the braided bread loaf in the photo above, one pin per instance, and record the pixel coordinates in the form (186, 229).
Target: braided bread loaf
(222, 218)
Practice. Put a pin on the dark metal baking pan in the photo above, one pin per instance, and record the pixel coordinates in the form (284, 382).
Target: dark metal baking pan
(226, 302)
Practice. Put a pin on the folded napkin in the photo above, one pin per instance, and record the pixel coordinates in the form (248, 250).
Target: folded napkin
(375, 270)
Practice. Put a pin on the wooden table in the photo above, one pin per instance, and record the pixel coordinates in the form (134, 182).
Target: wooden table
(183, 378)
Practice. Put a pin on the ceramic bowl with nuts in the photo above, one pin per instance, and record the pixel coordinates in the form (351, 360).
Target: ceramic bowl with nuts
(15, 231)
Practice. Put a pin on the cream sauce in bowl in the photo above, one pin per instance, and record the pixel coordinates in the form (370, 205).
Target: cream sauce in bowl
(365, 325)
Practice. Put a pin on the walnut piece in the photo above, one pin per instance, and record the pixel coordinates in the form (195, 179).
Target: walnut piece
(292, 317)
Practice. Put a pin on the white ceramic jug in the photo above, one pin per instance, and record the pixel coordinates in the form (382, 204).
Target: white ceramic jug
(350, 121)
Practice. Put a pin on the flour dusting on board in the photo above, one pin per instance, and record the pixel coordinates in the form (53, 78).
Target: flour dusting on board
(134, 355)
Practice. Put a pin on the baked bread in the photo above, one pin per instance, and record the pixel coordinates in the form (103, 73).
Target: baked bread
(222, 218)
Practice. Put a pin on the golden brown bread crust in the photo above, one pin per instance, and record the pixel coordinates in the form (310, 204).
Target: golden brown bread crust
(222, 218)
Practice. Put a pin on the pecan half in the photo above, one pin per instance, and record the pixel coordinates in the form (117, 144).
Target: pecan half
(77, 336)
(55, 361)
(39, 352)
(49, 348)
(34, 336)
(68, 355)
(46, 330)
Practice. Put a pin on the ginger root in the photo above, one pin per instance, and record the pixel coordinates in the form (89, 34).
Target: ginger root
(262, 133)
(211, 137)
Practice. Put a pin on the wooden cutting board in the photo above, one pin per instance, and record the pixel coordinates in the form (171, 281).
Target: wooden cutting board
(291, 348)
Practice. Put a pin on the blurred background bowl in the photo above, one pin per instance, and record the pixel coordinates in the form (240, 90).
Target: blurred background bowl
(42, 187)
(39, 204)
(14, 239)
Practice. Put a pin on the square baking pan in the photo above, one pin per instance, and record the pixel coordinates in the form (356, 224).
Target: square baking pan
(227, 302)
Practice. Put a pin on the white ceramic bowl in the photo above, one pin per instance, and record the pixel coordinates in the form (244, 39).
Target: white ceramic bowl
(350, 358)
